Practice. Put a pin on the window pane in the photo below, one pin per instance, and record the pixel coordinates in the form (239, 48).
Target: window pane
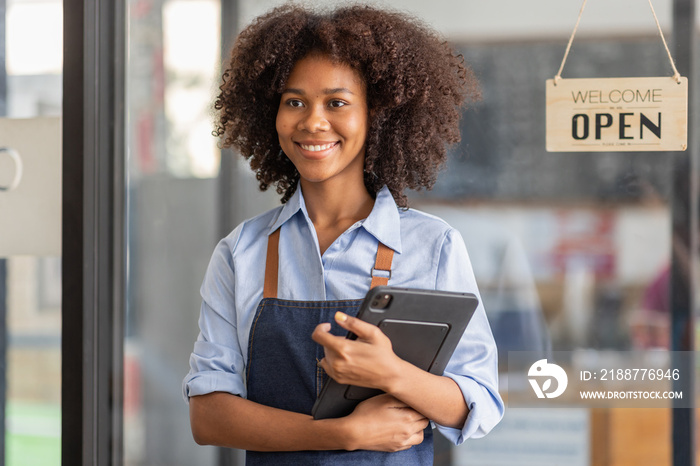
(571, 251)
(30, 273)
(173, 163)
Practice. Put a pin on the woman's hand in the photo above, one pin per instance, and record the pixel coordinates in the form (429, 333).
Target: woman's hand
(371, 362)
(368, 361)
(383, 423)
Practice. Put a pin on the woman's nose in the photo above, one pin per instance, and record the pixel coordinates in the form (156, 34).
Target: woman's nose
(314, 121)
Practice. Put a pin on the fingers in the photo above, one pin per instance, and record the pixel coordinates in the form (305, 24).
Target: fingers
(387, 424)
(367, 361)
(323, 364)
(417, 438)
(363, 330)
(413, 440)
(322, 335)
(410, 428)
(332, 345)
(423, 423)
(413, 416)
(414, 436)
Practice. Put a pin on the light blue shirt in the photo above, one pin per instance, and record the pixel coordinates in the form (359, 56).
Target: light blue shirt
(429, 254)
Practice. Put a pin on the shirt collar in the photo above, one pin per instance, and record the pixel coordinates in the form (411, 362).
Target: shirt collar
(291, 207)
(383, 222)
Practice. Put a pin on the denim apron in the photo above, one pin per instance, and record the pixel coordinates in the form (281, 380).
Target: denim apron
(282, 367)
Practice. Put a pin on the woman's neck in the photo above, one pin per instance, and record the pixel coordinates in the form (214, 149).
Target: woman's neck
(333, 209)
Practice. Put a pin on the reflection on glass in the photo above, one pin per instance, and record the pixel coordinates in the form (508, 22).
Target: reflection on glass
(564, 248)
(172, 72)
(173, 160)
(190, 57)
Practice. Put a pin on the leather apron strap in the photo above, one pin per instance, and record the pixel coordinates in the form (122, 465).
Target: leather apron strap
(385, 256)
(383, 262)
(272, 265)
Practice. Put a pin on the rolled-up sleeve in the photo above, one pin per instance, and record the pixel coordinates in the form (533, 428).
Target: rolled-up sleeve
(216, 362)
(474, 364)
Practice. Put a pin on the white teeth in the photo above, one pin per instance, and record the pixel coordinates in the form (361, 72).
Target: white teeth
(317, 148)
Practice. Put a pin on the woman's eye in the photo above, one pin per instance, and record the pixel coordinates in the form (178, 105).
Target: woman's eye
(337, 103)
(295, 103)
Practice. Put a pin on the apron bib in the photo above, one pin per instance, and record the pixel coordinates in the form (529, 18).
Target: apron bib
(282, 369)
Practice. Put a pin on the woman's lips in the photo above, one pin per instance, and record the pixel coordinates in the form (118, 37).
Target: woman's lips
(316, 150)
(317, 147)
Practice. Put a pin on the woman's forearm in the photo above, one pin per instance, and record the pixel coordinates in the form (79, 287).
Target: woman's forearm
(381, 423)
(438, 398)
(227, 420)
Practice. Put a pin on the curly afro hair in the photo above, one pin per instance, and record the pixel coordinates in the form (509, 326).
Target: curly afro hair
(415, 83)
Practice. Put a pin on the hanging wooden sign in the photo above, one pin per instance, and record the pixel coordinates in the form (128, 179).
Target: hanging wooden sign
(617, 114)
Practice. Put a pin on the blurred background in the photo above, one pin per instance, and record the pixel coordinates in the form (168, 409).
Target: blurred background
(572, 251)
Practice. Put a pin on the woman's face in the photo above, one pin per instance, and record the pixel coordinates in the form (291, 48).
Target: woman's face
(322, 120)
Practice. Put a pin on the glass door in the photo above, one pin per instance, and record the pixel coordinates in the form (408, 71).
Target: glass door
(572, 252)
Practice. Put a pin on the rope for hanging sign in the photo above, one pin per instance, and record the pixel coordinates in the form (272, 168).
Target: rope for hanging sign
(676, 74)
(571, 41)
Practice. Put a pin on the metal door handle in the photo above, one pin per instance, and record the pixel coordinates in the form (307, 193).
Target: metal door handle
(14, 155)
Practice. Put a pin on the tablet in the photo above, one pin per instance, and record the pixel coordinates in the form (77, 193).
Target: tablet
(424, 327)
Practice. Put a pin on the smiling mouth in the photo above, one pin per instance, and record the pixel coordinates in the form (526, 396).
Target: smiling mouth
(317, 147)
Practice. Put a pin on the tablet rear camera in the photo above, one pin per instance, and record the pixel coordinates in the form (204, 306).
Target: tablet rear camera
(381, 302)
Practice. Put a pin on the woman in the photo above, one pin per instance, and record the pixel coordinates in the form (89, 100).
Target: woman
(342, 111)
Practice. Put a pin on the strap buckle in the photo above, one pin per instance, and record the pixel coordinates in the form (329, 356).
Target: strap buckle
(380, 276)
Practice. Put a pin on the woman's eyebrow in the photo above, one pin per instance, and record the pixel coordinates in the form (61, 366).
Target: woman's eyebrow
(338, 90)
(335, 90)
